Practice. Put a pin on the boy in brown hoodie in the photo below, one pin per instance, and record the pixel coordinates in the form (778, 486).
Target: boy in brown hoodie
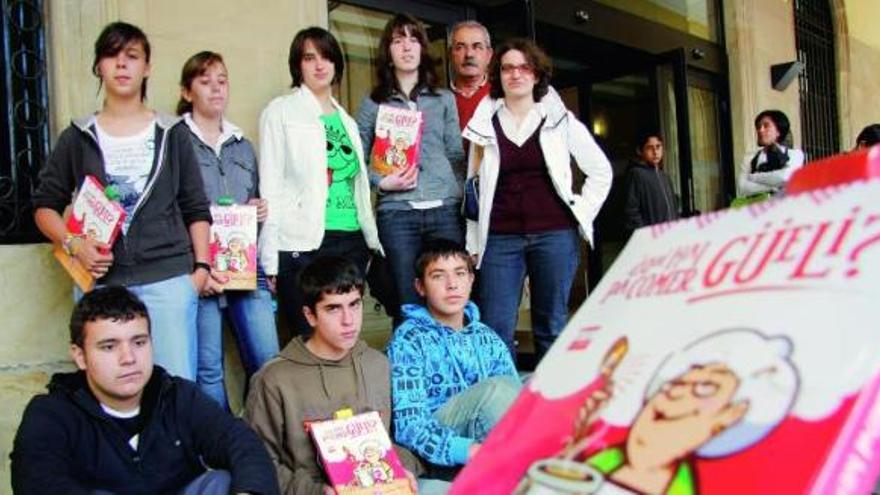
(316, 376)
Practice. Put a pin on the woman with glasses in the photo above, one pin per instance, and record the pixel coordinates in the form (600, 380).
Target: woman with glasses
(531, 212)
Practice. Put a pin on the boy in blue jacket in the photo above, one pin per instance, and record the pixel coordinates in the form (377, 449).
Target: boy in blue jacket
(452, 378)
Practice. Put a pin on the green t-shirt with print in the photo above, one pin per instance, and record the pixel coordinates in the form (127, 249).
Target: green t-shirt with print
(342, 167)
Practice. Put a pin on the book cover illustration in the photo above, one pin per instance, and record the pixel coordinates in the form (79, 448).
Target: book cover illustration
(735, 352)
(397, 140)
(358, 456)
(95, 215)
(233, 248)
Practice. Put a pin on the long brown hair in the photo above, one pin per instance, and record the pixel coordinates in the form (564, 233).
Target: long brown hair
(194, 67)
(403, 24)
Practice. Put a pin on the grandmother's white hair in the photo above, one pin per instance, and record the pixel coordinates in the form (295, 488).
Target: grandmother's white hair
(768, 380)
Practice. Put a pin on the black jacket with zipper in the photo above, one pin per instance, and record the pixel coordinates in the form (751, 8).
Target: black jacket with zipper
(157, 245)
(650, 198)
(67, 444)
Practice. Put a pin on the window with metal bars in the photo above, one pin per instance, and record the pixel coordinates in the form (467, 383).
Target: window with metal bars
(24, 136)
(814, 39)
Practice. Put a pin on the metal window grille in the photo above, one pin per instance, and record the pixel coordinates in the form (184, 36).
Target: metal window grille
(24, 136)
(814, 38)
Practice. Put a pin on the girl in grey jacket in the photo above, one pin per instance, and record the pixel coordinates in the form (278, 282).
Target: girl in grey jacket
(421, 202)
(228, 167)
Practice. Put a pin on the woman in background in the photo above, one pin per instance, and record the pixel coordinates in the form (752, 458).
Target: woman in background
(768, 170)
(869, 136)
(229, 172)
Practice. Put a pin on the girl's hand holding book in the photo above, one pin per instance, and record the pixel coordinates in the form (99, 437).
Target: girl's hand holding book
(214, 284)
(400, 181)
(94, 256)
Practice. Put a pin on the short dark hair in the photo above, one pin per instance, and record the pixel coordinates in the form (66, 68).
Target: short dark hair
(194, 67)
(869, 136)
(387, 80)
(329, 275)
(435, 249)
(112, 40)
(325, 43)
(646, 134)
(535, 56)
(105, 303)
(780, 120)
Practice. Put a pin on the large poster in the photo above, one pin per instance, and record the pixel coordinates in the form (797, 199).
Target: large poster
(735, 352)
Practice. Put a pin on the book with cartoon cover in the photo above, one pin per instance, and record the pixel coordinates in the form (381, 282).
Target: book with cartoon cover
(358, 456)
(233, 248)
(735, 352)
(95, 215)
(397, 141)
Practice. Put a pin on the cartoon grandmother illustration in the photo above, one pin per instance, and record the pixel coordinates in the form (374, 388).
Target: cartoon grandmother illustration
(717, 396)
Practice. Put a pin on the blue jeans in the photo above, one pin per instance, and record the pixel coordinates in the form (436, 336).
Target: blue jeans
(214, 482)
(253, 324)
(402, 233)
(172, 305)
(472, 413)
(349, 245)
(550, 260)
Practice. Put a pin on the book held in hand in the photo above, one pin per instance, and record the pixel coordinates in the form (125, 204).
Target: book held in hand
(358, 456)
(397, 140)
(233, 248)
(94, 214)
(734, 352)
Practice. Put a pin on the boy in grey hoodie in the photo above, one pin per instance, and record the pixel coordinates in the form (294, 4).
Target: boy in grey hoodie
(316, 376)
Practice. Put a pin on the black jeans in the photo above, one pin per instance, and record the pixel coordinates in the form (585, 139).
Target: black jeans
(350, 245)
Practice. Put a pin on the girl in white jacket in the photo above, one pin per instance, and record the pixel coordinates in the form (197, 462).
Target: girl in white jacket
(768, 170)
(522, 141)
(313, 174)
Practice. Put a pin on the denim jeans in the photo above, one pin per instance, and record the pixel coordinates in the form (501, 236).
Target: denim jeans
(550, 260)
(172, 305)
(402, 233)
(472, 413)
(253, 324)
(214, 482)
(350, 245)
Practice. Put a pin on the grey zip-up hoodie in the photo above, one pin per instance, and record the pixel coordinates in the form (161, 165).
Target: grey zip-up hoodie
(298, 387)
(441, 157)
(157, 246)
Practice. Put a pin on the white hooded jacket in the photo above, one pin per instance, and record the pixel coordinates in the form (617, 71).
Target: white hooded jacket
(562, 137)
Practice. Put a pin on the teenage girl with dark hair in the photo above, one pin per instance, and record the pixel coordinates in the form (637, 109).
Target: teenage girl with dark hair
(162, 254)
(312, 172)
(768, 170)
(421, 202)
(229, 171)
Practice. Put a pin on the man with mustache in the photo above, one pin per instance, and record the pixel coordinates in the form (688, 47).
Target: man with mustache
(470, 50)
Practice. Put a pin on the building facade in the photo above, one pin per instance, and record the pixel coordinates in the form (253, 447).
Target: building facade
(699, 71)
